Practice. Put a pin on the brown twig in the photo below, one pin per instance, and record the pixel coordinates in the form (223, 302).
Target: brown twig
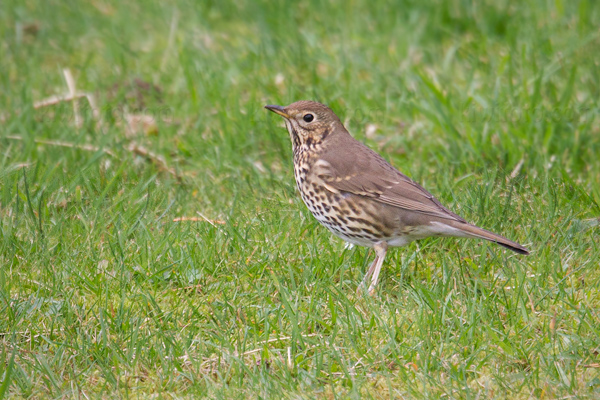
(159, 161)
(73, 95)
(87, 147)
(131, 121)
(52, 100)
(196, 219)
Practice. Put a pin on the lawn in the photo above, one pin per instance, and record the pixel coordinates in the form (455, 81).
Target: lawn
(152, 242)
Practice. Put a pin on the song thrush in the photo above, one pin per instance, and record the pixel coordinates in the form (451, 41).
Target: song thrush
(359, 196)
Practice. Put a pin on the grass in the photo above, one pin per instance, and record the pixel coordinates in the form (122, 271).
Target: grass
(492, 106)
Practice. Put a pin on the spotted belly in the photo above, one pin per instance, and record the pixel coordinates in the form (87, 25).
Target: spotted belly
(346, 216)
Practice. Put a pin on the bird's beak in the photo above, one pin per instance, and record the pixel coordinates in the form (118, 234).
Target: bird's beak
(278, 110)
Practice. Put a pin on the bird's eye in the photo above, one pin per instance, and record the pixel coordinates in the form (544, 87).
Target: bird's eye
(308, 117)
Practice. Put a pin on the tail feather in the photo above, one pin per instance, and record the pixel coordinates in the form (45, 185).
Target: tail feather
(477, 232)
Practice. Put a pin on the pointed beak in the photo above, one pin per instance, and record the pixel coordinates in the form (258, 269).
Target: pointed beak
(278, 110)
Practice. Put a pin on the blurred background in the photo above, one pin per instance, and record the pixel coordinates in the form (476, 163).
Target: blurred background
(152, 240)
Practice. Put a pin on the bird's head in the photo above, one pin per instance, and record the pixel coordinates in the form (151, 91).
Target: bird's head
(308, 122)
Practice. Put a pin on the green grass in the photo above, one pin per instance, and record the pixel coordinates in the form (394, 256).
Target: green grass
(103, 295)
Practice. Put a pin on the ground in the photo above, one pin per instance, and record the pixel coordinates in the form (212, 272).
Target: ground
(152, 242)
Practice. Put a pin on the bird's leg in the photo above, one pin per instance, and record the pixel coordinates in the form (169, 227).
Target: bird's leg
(380, 250)
(374, 269)
(363, 284)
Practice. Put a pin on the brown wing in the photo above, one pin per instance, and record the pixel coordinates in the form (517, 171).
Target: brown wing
(359, 170)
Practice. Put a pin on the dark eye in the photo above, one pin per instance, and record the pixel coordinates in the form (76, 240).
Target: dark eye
(308, 117)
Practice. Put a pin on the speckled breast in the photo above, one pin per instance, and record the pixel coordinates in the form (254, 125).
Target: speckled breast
(350, 217)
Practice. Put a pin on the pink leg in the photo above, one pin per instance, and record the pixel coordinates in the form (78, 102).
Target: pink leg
(374, 269)
(380, 249)
(363, 284)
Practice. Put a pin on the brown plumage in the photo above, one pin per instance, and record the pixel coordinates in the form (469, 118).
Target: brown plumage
(359, 196)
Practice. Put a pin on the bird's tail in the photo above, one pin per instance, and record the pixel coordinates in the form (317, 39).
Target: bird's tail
(473, 231)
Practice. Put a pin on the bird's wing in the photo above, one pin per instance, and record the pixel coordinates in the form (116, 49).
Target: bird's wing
(369, 175)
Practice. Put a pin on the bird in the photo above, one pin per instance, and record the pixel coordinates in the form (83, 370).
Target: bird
(359, 196)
